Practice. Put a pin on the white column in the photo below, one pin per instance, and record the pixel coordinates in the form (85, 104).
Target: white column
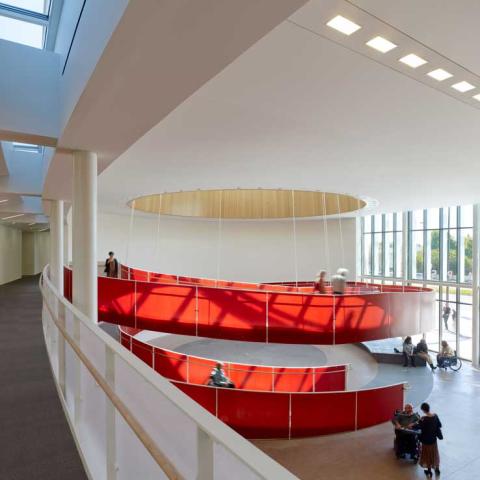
(84, 233)
(56, 244)
(404, 248)
(475, 287)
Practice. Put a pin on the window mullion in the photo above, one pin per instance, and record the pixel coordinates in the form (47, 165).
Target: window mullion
(23, 14)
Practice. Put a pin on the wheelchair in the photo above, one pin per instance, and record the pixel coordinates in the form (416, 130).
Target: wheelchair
(407, 443)
(454, 363)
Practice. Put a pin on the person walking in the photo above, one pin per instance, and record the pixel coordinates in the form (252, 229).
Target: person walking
(445, 314)
(431, 430)
(319, 284)
(339, 281)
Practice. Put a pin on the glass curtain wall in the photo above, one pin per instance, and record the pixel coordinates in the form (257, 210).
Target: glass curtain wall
(439, 256)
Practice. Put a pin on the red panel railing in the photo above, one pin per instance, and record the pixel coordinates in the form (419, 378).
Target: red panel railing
(196, 370)
(293, 415)
(273, 402)
(260, 315)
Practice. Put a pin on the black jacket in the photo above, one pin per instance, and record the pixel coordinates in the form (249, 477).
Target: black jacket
(116, 266)
(430, 427)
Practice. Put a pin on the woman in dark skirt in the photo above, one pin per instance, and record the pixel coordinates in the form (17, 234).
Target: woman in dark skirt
(431, 430)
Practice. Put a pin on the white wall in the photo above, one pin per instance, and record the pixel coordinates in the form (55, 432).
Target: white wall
(98, 21)
(35, 252)
(250, 251)
(29, 89)
(10, 254)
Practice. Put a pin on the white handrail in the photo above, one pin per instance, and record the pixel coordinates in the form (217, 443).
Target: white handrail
(214, 429)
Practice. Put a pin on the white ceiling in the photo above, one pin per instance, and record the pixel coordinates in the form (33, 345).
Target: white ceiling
(448, 26)
(298, 110)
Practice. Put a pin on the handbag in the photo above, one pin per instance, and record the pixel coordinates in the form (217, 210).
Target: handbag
(439, 433)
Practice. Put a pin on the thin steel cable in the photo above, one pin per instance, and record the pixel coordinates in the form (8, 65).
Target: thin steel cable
(157, 243)
(295, 258)
(130, 230)
(325, 233)
(219, 239)
(341, 231)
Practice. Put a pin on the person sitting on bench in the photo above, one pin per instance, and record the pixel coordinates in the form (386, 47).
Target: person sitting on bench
(421, 350)
(408, 352)
(219, 379)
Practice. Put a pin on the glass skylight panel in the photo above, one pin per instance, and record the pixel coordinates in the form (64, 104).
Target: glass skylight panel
(39, 6)
(26, 147)
(463, 86)
(381, 44)
(413, 60)
(343, 25)
(439, 74)
(477, 97)
(18, 31)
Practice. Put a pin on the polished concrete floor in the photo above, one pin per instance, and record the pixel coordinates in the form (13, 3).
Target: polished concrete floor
(368, 453)
(35, 441)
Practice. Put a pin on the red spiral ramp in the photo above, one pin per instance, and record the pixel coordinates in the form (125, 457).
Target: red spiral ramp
(273, 402)
(261, 313)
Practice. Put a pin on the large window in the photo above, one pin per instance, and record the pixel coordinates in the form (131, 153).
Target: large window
(382, 246)
(25, 21)
(439, 256)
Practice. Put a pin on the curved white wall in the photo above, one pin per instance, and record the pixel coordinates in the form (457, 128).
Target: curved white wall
(249, 251)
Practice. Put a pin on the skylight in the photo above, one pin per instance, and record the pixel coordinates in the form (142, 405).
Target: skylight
(39, 6)
(27, 147)
(25, 21)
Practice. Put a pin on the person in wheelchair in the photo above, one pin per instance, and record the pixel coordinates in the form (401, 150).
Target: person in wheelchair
(406, 437)
(446, 353)
(219, 379)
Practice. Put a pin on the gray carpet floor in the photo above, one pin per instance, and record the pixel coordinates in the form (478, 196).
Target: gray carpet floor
(35, 441)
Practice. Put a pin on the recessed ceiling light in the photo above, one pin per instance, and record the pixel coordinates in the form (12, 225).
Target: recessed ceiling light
(477, 97)
(413, 60)
(463, 86)
(439, 74)
(381, 44)
(343, 25)
(13, 216)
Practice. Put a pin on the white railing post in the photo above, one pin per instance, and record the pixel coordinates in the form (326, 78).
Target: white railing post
(61, 349)
(77, 375)
(111, 460)
(205, 470)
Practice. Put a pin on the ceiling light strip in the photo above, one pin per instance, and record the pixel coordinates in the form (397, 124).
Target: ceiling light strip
(13, 216)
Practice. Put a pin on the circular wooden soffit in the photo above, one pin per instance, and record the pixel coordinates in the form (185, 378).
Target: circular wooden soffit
(247, 204)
